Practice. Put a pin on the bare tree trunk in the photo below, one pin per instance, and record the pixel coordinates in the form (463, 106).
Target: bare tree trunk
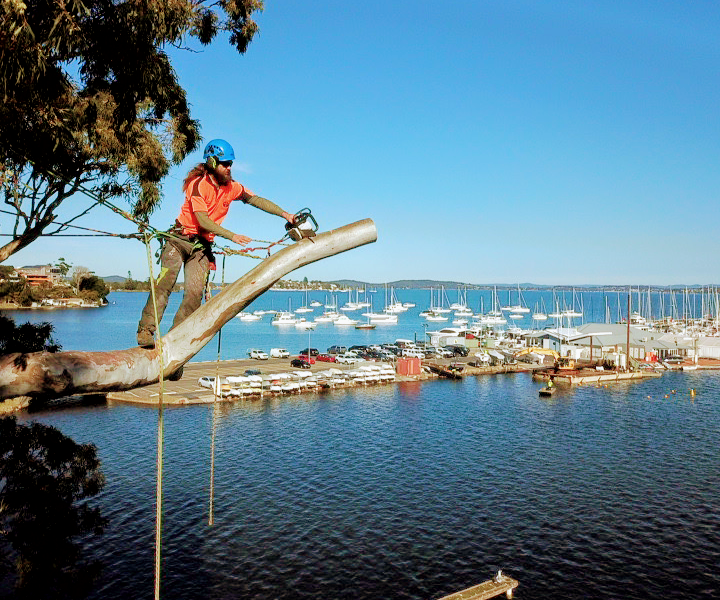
(44, 374)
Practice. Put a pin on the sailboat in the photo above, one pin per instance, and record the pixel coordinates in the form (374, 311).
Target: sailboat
(520, 306)
(395, 306)
(540, 313)
(305, 308)
(384, 318)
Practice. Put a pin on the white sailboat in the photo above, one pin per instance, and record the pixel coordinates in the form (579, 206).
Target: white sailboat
(520, 307)
(540, 314)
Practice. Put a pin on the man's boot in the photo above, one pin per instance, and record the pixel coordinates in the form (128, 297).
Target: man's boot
(145, 338)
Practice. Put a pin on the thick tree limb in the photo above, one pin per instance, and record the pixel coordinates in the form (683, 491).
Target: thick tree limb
(44, 374)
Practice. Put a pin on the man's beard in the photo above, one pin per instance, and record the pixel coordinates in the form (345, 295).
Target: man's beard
(223, 179)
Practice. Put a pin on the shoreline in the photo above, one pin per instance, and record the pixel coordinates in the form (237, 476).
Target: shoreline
(187, 391)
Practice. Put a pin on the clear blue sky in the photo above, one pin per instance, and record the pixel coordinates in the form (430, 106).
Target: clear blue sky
(562, 142)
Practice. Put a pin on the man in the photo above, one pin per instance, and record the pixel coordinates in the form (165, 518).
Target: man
(209, 189)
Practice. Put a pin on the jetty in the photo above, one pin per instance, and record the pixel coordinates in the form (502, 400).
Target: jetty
(589, 376)
(498, 585)
(448, 371)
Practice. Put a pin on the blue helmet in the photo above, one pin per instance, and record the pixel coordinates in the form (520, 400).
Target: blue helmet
(219, 149)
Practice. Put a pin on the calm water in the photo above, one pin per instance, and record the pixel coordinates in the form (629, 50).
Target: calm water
(114, 327)
(413, 490)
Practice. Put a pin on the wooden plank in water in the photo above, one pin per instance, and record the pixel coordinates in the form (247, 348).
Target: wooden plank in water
(496, 586)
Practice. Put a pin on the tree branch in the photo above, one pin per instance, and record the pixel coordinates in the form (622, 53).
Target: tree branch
(43, 374)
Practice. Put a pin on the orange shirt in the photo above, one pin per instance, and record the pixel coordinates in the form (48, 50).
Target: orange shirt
(203, 196)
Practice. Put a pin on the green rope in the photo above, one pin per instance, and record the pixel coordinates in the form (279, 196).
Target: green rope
(216, 393)
(160, 430)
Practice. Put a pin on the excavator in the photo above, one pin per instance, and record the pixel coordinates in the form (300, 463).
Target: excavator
(562, 363)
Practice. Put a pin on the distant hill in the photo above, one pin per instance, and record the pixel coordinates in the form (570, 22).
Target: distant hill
(434, 283)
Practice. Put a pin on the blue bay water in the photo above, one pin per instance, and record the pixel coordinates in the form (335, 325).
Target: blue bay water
(114, 326)
(407, 491)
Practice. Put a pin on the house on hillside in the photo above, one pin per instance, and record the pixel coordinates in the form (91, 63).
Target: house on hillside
(40, 274)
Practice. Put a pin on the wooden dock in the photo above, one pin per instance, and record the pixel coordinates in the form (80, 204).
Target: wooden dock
(444, 371)
(498, 585)
(588, 377)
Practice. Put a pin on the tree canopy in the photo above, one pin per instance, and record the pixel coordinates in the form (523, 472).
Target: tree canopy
(46, 480)
(91, 101)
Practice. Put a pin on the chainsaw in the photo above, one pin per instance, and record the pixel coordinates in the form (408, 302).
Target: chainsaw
(305, 226)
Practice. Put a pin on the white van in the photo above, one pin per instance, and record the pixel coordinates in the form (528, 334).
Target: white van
(279, 353)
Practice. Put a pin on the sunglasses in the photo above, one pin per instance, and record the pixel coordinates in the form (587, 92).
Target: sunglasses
(226, 163)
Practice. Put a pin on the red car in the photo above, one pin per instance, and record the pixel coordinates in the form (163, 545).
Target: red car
(307, 359)
(326, 357)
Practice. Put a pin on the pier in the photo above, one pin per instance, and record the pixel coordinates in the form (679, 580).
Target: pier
(588, 376)
(498, 585)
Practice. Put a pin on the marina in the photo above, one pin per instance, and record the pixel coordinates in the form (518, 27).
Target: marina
(411, 487)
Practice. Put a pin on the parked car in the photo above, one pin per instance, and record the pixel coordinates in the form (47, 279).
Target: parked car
(346, 359)
(336, 350)
(445, 353)
(279, 353)
(299, 363)
(413, 353)
(206, 382)
(325, 357)
(257, 354)
(306, 358)
(309, 351)
(209, 382)
(358, 349)
(252, 372)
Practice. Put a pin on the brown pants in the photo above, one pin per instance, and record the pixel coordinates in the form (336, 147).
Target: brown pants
(196, 261)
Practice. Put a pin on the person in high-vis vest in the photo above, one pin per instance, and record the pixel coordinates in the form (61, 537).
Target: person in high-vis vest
(209, 189)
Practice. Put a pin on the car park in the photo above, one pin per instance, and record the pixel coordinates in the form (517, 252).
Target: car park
(325, 357)
(279, 353)
(299, 363)
(257, 354)
(309, 351)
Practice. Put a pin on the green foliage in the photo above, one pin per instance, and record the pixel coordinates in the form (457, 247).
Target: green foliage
(95, 284)
(90, 100)
(12, 291)
(25, 338)
(45, 481)
(63, 266)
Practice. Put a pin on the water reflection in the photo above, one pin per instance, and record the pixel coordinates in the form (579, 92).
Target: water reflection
(414, 491)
